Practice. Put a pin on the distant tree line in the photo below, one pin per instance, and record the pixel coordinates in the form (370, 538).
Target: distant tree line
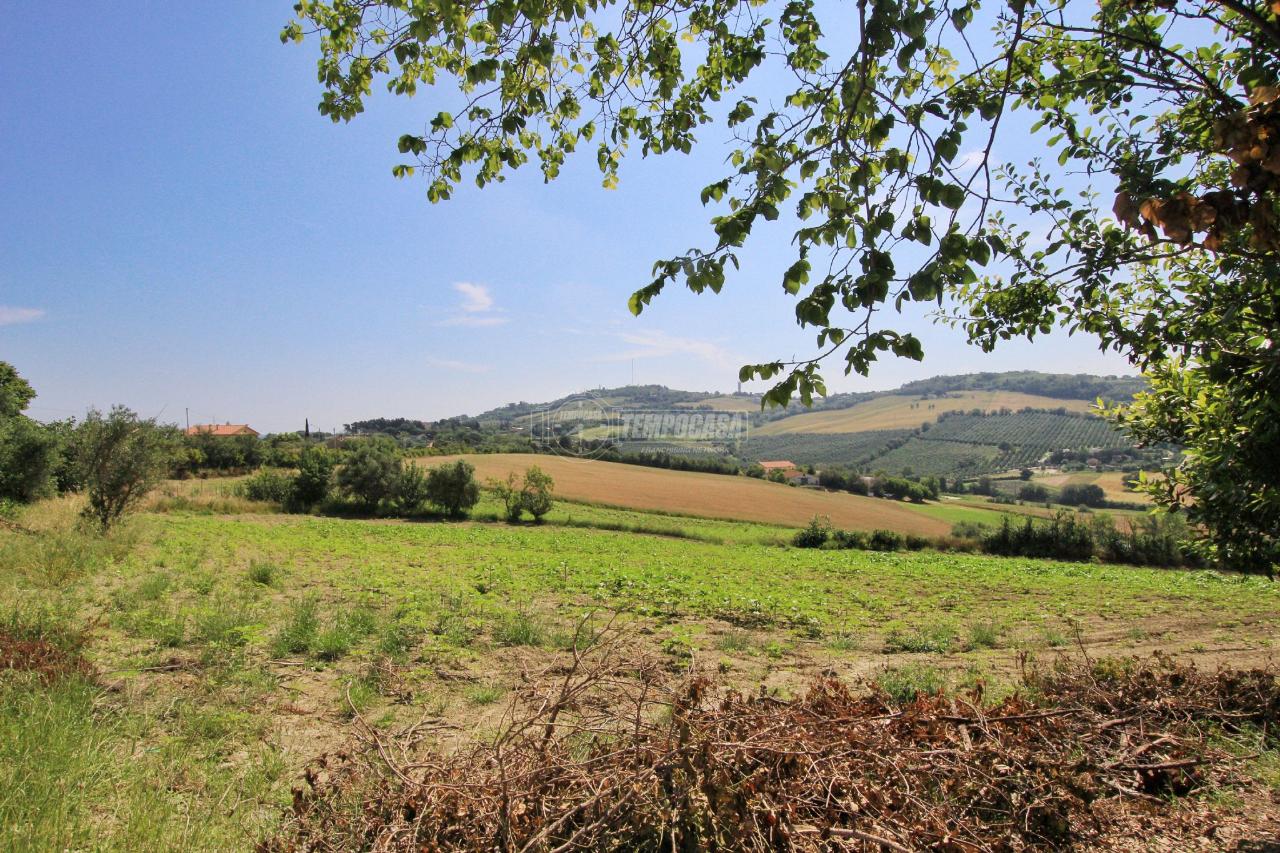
(1060, 386)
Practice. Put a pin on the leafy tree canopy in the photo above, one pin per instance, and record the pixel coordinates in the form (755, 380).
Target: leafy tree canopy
(15, 392)
(886, 127)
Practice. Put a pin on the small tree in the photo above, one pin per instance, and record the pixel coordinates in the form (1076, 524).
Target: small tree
(372, 472)
(311, 485)
(507, 492)
(453, 488)
(535, 494)
(120, 457)
(1087, 494)
(411, 489)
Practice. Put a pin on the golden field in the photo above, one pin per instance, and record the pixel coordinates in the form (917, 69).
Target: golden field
(707, 495)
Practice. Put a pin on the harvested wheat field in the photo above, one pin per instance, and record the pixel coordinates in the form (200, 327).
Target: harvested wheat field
(708, 495)
(898, 411)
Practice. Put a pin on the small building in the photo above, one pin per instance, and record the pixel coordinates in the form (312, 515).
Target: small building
(221, 430)
(777, 465)
(800, 478)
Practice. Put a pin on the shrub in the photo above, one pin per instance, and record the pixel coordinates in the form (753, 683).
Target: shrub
(1062, 537)
(914, 542)
(535, 494)
(271, 486)
(850, 539)
(29, 457)
(884, 540)
(813, 536)
(311, 485)
(120, 457)
(411, 489)
(1089, 494)
(453, 488)
(1033, 493)
(372, 472)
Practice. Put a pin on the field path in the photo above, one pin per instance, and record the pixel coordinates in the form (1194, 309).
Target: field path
(707, 495)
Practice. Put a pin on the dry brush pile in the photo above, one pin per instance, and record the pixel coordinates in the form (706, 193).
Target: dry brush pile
(605, 754)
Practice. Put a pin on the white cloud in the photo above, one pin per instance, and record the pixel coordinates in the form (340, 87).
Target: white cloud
(475, 297)
(458, 366)
(474, 320)
(477, 309)
(11, 315)
(658, 344)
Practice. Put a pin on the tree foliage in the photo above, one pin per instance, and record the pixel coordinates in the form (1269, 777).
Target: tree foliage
(885, 129)
(453, 488)
(120, 457)
(15, 392)
(371, 473)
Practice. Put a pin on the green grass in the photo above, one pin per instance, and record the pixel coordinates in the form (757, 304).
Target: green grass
(72, 777)
(226, 678)
(481, 569)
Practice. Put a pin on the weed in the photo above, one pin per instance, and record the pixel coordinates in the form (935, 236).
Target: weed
(299, 631)
(735, 641)
(398, 638)
(984, 635)
(484, 694)
(518, 629)
(1054, 638)
(938, 637)
(905, 683)
(263, 573)
(844, 641)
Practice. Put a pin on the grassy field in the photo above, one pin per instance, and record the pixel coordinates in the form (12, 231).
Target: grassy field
(725, 403)
(232, 644)
(904, 412)
(706, 495)
(1112, 483)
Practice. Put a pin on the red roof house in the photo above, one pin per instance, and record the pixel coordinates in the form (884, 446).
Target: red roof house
(221, 430)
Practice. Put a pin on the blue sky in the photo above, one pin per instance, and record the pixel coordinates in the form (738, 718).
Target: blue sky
(180, 228)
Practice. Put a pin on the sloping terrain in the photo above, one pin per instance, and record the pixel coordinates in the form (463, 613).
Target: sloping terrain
(710, 495)
(897, 411)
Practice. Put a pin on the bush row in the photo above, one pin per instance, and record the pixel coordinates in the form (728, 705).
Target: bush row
(1159, 540)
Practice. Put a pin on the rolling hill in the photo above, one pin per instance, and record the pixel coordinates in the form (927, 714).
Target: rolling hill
(953, 426)
(900, 411)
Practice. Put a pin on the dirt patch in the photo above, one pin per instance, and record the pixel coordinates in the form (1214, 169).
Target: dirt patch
(48, 661)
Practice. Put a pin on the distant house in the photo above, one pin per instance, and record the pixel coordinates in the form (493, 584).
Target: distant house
(800, 478)
(221, 430)
(778, 465)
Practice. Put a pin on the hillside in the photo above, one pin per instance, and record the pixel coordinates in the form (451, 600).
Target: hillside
(953, 426)
(708, 495)
(900, 411)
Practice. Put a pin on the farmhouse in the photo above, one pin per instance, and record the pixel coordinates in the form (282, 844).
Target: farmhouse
(777, 465)
(221, 430)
